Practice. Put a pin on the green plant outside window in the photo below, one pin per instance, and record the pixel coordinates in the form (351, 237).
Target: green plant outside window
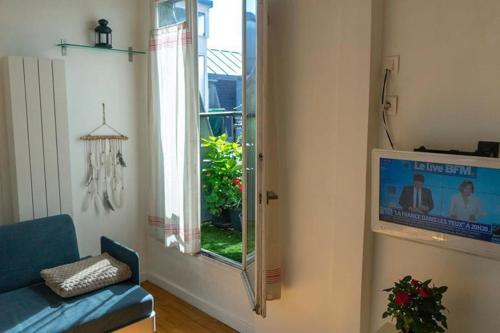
(221, 174)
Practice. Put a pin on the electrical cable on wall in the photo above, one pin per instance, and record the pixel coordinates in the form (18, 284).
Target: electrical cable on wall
(385, 107)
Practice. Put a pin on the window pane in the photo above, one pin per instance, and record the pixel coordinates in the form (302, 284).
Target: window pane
(250, 119)
(201, 24)
(220, 81)
(171, 12)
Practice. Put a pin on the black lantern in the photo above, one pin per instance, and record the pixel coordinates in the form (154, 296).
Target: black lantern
(103, 34)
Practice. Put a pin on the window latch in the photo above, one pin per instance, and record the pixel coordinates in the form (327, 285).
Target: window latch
(270, 195)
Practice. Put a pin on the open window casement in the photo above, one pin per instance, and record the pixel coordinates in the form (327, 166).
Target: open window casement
(261, 247)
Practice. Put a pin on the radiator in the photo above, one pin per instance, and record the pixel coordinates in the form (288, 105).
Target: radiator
(36, 180)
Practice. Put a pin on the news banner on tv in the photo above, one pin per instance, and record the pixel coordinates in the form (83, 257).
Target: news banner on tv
(447, 198)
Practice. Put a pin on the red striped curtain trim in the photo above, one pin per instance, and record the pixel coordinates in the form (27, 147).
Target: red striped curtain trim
(271, 281)
(169, 39)
(273, 275)
(173, 229)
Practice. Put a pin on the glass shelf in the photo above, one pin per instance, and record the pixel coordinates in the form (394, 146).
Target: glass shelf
(64, 45)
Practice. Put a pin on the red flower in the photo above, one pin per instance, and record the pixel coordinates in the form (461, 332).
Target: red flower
(240, 187)
(402, 298)
(236, 181)
(415, 282)
(424, 292)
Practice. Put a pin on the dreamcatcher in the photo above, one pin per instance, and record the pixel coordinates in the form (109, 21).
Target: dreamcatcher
(104, 171)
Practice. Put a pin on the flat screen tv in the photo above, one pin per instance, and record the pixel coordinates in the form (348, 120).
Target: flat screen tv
(446, 200)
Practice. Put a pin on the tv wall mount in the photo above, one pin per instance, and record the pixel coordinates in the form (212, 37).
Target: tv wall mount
(484, 149)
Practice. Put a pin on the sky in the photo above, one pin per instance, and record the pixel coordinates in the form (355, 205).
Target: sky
(225, 25)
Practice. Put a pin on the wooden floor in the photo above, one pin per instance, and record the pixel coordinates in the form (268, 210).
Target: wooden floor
(176, 316)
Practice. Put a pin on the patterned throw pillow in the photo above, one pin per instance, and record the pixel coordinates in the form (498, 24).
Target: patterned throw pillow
(85, 275)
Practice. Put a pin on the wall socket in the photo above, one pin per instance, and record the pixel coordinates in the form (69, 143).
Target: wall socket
(392, 63)
(391, 105)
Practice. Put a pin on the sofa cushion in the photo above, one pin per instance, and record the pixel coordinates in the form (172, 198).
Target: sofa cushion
(86, 275)
(37, 309)
(28, 247)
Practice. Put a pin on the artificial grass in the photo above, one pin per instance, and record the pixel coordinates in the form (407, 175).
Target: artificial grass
(225, 242)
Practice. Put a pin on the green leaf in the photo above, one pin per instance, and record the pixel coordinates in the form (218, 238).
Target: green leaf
(221, 164)
(442, 289)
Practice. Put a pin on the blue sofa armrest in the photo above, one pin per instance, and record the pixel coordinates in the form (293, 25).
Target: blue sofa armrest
(124, 254)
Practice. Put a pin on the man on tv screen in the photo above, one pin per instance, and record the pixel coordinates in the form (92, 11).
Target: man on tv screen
(416, 198)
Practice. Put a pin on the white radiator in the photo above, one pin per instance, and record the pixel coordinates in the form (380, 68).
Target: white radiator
(36, 127)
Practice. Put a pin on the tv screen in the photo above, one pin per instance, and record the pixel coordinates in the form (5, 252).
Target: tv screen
(434, 197)
(451, 198)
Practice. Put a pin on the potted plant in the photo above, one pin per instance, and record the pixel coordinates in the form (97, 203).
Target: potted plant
(416, 306)
(221, 179)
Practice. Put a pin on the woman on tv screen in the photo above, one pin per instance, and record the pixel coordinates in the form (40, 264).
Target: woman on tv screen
(465, 206)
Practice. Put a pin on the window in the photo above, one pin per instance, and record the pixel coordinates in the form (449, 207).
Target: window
(220, 69)
(231, 150)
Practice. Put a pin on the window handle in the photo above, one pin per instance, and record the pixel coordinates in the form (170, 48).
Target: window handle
(270, 195)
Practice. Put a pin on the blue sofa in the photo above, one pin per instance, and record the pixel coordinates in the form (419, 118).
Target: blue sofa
(27, 305)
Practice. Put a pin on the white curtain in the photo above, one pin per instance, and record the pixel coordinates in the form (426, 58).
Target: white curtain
(174, 212)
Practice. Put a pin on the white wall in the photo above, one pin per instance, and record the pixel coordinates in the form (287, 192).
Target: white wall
(448, 98)
(32, 28)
